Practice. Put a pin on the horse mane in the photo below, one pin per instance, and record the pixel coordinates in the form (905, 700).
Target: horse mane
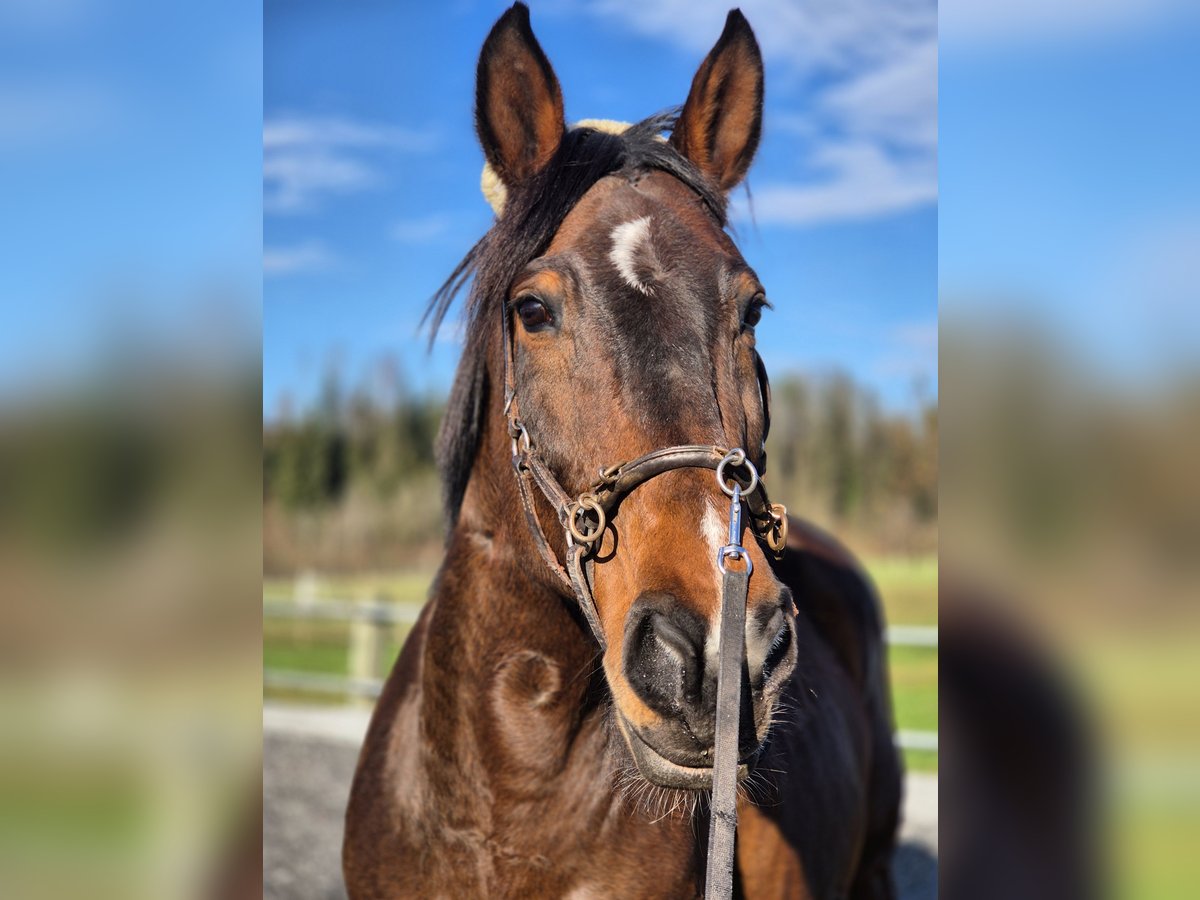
(533, 213)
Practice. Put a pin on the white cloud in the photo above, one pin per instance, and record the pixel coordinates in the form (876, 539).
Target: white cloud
(309, 256)
(420, 230)
(293, 182)
(894, 103)
(291, 132)
(308, 159)
(833, 35)
(453, 333)
(866, 132)
(920, 337)
(848, 35)
(1151, 272)
(854, 181)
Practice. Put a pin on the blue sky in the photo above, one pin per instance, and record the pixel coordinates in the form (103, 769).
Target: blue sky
(133, 139)
(1070, 191)
(371, 173)
(130, 158)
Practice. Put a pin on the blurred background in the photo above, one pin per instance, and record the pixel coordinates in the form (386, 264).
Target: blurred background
(130, 166)
(178, 185)
(1069, 283)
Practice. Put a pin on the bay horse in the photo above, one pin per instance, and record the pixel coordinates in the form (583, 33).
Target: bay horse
(547, 730)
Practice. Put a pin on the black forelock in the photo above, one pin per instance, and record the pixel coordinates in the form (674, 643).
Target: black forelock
(532, 215)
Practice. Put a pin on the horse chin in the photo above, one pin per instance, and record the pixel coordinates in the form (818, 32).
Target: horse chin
(660, 771)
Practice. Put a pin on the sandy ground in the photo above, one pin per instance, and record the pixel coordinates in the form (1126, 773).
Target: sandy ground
(309, 761)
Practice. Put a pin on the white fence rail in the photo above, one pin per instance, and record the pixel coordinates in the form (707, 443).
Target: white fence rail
(343, 611)
(912, 636)
(372, 623)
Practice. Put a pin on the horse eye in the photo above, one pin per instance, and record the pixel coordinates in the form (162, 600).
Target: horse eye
(754, 311)
(534, 313)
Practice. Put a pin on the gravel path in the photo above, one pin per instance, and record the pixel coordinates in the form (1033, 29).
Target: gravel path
(309, 758)
(305, 783)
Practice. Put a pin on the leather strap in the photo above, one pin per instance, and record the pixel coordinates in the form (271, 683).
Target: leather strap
(535, 525)
(579, 566)
(617, 482)
(722, 826)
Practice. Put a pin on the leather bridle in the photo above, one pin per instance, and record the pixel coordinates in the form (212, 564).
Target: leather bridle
(585, 517)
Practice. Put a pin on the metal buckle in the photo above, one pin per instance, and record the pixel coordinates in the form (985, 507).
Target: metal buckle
(734, 549)
(518, 432)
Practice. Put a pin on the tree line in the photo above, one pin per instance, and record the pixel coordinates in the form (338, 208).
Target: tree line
(343, 481)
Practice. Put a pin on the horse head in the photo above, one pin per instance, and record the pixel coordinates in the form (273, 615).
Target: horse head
(623, 318)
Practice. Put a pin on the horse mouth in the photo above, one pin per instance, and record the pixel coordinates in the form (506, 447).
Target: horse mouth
(661, 771)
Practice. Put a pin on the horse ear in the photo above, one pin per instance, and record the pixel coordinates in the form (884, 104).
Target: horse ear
(518, 103)
(721, 121)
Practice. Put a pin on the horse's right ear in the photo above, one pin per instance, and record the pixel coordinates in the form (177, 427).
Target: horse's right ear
(518, 103)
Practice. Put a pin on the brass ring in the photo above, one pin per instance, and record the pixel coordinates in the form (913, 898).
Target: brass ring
(777, 533)
(586, 501)
(737, 456)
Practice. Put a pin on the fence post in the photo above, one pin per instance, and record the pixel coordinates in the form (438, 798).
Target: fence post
(368, 647)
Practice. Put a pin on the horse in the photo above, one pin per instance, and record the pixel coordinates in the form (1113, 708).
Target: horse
(548, 728)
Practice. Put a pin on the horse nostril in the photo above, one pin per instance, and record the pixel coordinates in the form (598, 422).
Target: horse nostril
(770, 634)
(674, 640)
(664, 653)
(778, 650)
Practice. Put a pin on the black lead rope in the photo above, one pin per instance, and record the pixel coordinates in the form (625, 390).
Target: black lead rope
(735, 586)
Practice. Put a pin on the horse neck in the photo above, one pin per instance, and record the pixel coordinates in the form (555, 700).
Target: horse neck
(492, 546)
(513, 701)
(507, 665)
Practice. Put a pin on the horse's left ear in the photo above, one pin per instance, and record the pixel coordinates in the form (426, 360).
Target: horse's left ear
(721, 121)
(518, 103)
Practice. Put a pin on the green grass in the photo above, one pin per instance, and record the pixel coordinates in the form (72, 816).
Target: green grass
(318, 647)
(326, 659)
(921, 761)
(907, 587)
(401, 587)
(914, 672)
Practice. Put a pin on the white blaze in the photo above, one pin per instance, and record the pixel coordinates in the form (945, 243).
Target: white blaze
(715, 529)
(628, 240)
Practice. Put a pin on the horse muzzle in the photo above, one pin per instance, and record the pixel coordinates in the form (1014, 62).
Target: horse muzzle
(659, 770)
(669, 664)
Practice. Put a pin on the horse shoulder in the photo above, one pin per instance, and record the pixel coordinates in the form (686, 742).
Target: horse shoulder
(383, 812)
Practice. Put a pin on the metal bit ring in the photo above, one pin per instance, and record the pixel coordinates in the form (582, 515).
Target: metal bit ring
(737, 457)
(586, 502)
